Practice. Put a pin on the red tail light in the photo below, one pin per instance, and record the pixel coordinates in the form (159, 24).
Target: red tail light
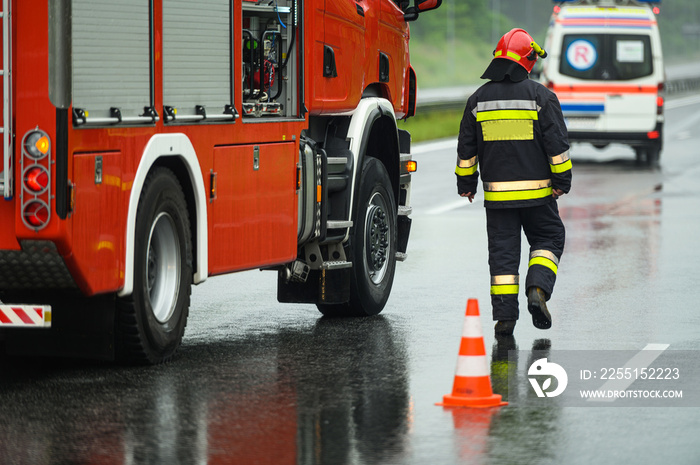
(653, 134)
(36, 179)
(36, 214)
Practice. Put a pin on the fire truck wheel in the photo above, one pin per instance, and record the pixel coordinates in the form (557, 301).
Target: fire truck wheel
(152, 320)
(372, 245)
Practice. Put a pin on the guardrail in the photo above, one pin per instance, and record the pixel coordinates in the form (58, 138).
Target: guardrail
(679, 79)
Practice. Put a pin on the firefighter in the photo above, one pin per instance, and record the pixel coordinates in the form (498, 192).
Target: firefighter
(514, 132)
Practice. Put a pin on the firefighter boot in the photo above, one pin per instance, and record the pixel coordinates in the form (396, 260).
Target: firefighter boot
(537, 305)
(504, 327)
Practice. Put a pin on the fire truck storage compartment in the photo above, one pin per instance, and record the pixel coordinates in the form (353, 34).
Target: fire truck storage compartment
(197, 61)
(111, 59)
(269, 81)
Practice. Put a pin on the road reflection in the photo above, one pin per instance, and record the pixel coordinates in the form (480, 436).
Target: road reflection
(528, 431)
(336, 393)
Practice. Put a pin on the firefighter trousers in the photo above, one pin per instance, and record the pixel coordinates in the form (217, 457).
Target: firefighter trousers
(545, 233)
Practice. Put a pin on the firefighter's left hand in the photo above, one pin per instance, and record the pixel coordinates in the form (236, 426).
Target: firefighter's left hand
(468, 195)
(556, 193)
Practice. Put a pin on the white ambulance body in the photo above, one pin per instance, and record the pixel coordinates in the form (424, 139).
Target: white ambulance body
(605, 65)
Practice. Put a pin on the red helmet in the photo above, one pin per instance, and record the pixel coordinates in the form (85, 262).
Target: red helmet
(518, 46)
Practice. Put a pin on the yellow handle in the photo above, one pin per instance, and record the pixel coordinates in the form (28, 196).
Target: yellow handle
(539, 50)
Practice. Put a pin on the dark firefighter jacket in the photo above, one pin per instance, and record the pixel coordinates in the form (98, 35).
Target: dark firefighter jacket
(513, 132)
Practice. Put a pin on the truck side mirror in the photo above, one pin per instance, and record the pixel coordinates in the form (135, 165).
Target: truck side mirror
(419, 6)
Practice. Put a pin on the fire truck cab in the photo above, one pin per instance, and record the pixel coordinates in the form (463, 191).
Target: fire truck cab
(149, 145)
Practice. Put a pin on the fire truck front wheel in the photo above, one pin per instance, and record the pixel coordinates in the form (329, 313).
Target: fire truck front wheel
(152, 320)
(372, 245)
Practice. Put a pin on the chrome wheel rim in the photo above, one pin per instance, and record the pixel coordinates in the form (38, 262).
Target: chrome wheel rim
(377, 233)
(163, 267)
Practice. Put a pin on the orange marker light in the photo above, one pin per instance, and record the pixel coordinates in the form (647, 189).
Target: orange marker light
(409, 166)
(319, 193)
(42, 145)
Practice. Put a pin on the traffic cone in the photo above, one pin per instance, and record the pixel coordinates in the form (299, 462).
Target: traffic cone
(472, 385)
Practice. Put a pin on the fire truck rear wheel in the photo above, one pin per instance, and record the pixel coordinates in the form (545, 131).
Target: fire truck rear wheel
(372, 245)
(152, 320)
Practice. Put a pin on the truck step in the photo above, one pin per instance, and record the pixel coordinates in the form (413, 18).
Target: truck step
(335, 265)
(404, 210)
(338, 224)
(401, 256)
(25, 316)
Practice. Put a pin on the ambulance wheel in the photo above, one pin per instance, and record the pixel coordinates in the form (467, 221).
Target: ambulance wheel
(371, 246)
(648, 156)
(151, 322)
(653, 154)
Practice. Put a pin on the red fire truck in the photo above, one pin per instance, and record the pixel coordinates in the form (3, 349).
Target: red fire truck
(150, 144)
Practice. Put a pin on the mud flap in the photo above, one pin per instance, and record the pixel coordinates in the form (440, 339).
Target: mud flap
(322, 287)
(404, 229)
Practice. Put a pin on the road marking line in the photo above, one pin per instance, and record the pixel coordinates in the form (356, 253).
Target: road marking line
(437, 146)
(450, 206)
(643, 359)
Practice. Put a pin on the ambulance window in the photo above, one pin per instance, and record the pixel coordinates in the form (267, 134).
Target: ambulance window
(607, 57)
(632, 56)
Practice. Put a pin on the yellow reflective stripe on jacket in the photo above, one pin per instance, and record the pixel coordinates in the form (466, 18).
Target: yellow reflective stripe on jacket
(466, 171)
(560, 163)
(505, 115)
(507, 130)
(566, 166)
(544, 258)
(517, 195)
(466, 167)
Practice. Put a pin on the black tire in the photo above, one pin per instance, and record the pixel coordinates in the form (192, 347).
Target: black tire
(653, 155)
(151, 322)
(648, 156)
(371, 246)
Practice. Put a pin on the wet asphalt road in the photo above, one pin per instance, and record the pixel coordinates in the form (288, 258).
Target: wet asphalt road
(260, 382)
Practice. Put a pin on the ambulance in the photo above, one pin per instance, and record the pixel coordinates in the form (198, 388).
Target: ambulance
(606, 67)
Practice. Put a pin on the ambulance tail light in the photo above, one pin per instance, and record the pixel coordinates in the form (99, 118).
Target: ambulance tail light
(659, 105)
(653, 134)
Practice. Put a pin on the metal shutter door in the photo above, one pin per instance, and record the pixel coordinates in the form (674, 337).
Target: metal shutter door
(197, 55)
(111, 56)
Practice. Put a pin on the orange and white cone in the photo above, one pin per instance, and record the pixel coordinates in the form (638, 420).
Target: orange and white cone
(472, 385)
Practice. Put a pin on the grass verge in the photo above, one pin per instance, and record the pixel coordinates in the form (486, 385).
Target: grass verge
(433, 125)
